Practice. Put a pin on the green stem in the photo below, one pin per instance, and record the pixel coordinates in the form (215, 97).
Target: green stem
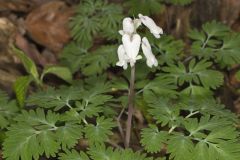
(172, 129)
(191, 114)
(205, 43)
(130, 108)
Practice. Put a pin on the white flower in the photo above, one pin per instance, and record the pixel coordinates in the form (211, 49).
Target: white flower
(123, 59)
(148, 22)
(131, 44)
(128, 52)
(147, 51)
(137, 22)
(128, 26)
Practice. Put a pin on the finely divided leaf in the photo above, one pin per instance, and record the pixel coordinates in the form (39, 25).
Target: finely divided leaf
(8, 110)
(37, 133)
(99, 133)
(73, 155)
(152, 139)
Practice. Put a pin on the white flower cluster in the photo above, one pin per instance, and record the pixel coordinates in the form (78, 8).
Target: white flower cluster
(131, 41)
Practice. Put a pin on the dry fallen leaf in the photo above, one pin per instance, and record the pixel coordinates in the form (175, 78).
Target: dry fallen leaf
(48, 25)
(230, 11)
(15, 5)
(7, 31)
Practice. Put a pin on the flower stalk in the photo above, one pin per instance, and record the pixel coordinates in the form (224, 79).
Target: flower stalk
(130, 107)
(128, 53)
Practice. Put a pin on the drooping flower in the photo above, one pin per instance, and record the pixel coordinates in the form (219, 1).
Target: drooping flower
(137, 22)
(131, 44)
(128, 26)
(128, 52)
(147, 51)
(123, 59)
(148, 22)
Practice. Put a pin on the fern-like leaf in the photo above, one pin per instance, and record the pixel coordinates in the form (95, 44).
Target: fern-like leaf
(180, 147)
(99, 60)
(99, 133)
(37, 133)
(56, 99)
(100, 152)
(169, 49)
(73, 155)
(8, 110)
(216, 41)
(94, 17)
(197, 73)
(152, 139)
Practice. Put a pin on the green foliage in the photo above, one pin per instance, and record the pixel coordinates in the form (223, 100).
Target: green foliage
(73, 53)
(8, 110)
(79, 102)
(148, 7)
(210, 137)
(238, 75)
(153, 139)
(144, 6)
(179, 2)
(36, 133)
(22, 83)
(28, 64)
(99, 60)
(163, 86)
(52, 131)
(168, 49)
(74, 155)
(185, 121)
(20, 88)
(90, 63)
(100, 152)
(99, 133)
(56, 99)
(197, 76)
(95, 18)
(216, 42)
(62, 72)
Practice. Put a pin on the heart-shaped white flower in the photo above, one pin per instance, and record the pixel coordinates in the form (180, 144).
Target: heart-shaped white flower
(148, 22)
(147, 51)
(123, 58)
(131, 44)
(128, 26)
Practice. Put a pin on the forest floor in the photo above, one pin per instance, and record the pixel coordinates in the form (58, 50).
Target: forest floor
(40, 29)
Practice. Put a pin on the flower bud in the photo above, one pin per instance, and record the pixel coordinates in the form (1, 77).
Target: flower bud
(148, 22)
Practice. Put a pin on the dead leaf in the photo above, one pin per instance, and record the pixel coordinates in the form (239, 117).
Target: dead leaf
(15, 5)
(48, 25)
(7, 31)
(230, 10)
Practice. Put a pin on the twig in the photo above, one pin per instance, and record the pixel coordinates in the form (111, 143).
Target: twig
(119, 124)
(114, 144)
(130, 108)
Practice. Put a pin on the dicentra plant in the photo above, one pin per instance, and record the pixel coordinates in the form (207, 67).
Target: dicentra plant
(176, 93)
